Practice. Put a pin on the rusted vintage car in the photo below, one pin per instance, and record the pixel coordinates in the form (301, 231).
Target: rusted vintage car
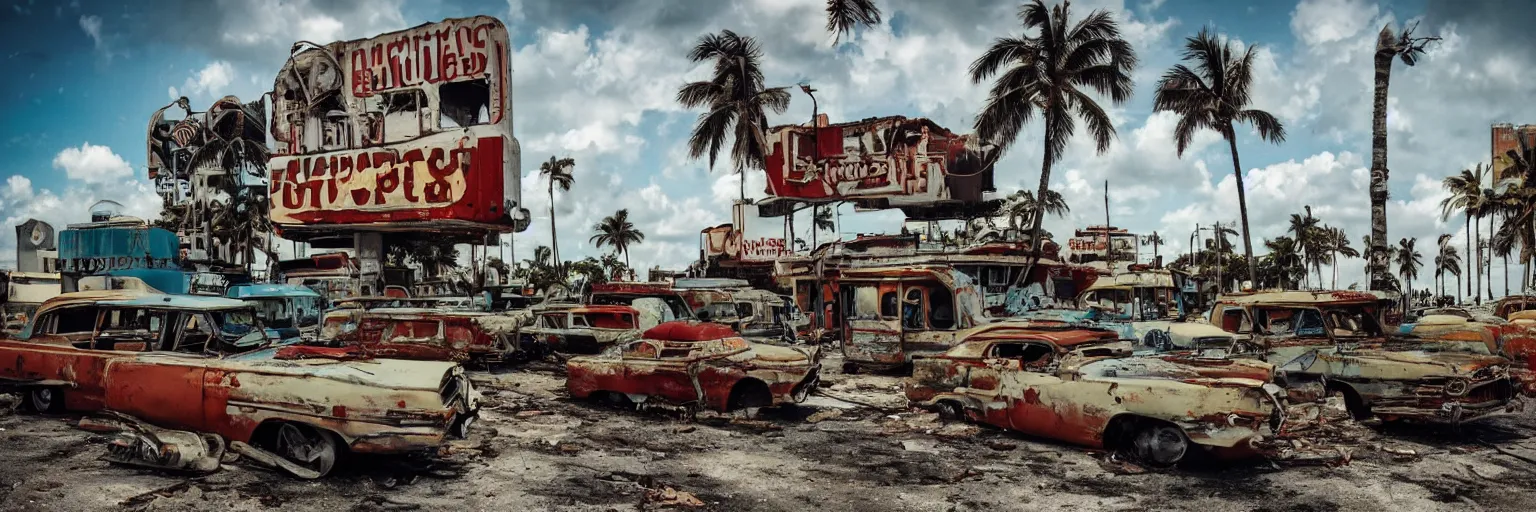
(1083, 386)
(580, 329)
(1506, 307)
(892, 314)
(438, 335)
(1514, 339)
(698, 366)
(1335, 343)
(172, 361)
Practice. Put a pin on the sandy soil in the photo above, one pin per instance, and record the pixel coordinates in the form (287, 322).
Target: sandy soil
(536, 450)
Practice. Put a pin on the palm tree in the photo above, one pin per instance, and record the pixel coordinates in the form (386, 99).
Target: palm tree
(1466, 198)
(558, 170)
(1448, 261)
(1215, 96)
(843, 15)
(1408, 262)
(1285, 255)
(1487, 206)
(1049, 74)
(1389, 47)
(1021, 207)
(1338, 242)
(821, 219)
(734, 98)
(617, 232)
(1307, 232)
(1519, 228)
(1154, 240)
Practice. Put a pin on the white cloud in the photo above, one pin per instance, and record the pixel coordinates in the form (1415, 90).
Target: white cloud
(210, 82)
(95, 173)
(92, 27)
(1325, 21)
(92, 164)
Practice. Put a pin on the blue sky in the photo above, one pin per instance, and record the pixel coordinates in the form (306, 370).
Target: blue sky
(595, 81)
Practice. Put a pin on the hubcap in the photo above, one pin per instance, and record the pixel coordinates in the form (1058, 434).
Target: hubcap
(43, 399)
(1161, 444)
(306, 447)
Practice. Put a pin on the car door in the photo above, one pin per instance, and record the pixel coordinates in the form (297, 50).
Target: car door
(1030, 389)
(872, 325)
(165, 390)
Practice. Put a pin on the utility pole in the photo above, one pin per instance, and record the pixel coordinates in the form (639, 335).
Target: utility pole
(1109, 248)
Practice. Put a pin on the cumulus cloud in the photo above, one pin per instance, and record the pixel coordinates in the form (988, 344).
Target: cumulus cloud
(94, 173)
(92, 164)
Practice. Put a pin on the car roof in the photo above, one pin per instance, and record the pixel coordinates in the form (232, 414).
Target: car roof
(135, 298)
(1315, 297)
(973, 341)
(254, 291)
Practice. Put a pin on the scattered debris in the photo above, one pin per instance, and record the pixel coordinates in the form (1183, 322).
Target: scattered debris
(666, 496)
(142, 444)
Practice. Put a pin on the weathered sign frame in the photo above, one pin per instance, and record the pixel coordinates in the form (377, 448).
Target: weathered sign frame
(406, 131)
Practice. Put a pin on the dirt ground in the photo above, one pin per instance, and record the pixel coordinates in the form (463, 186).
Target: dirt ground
(854, 447)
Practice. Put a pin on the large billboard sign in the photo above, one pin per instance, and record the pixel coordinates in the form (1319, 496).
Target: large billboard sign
(888, 162)
(406, 130)
(750, 236)
(1092, 244)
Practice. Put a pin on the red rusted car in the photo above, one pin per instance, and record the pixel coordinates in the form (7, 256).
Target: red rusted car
(1083, 386)
(435, 335)
(176, 362)
(696, 365)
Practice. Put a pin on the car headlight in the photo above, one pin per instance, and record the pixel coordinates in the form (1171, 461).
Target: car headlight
(1457, 387)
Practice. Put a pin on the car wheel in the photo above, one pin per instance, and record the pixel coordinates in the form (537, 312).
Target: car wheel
(305, 446)
(950, 410)
(45, 400)
(1159, 444)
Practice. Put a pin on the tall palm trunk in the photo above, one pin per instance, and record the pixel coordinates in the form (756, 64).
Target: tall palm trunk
(1458, 288)
(554, 241)
(1489, 271)
(1045, 182)
(1468, 218)
(1335, 284)
(1242, 204)
(1477, 261)
(1379, 261)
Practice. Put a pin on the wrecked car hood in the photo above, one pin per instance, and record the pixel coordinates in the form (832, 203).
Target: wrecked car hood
(388, 373)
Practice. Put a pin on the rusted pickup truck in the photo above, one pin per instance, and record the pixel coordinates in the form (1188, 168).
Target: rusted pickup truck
(696, 365)
(1083, 386)
(201, 364)
(1335, 343)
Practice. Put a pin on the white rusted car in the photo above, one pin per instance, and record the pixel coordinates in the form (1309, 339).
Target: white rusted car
(172, 362)
(1082, 386)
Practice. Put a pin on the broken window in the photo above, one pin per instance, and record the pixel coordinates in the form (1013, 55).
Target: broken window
(409, 331)
(640, 350)
(129, 329)
(579, 321)
(79, 320)
(1235, 320)
(462, 104)
(912, 314)
(941, 314)
(1029, 355)
(888, 305)
(195, 334)
(402, 115)
(866, 303)
(459, 335)
(554, 321)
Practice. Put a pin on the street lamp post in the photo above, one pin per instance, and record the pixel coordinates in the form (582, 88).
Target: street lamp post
(816, 299)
